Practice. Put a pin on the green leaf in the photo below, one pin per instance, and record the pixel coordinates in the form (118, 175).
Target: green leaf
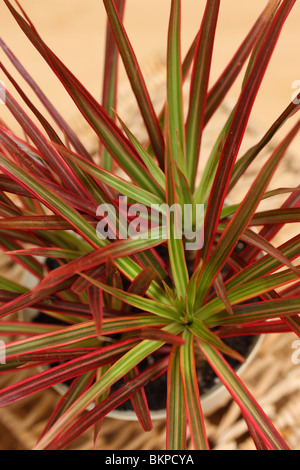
(243, 398)
(76, 333)
(246, 292)
(238, 126)
(227, 78)
(266, 265)
(104, 126)
(191, 393)
(136, 79)
(52, 200)
(199, 329)
(174, 225)
(176, 415)
(116, 371)
(199, 87)
(148, 305)
(174, 87)
(258, 311)
(146, 157)
(119, 184)
(110, 80)
(242, 216)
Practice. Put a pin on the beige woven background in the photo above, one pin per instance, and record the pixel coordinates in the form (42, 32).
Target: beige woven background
(75, 30)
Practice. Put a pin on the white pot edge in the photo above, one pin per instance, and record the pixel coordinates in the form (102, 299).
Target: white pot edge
(211, 401)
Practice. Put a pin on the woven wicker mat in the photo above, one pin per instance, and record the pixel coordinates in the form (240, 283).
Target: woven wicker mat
(272, 377)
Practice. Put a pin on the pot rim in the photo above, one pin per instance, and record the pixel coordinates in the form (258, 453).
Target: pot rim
(211, 400)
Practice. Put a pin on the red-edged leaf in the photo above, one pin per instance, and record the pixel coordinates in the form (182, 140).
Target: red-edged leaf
(77, 387)
(199, 87)
(63, 372)
(191, 393)
(110, 403)
(56, 162)
(251, 410)
(28, 262)
(118, 249)
(222, 293)
(257, 439)
(244, 162)
(49, 356)
(111, 136)
(96, 305)
(114, 373)
(50, 108)
(199, 330)
(160, 335)
(242, 216)
(239, 123)
(75, 334)
(40, 222)
(223, 84)
(47, 252)
(10, 328)
(110, 80)
(176, 414)
(174, 87)
(143, 303)
(174, 229)
(267, 264)
(136, 79)
(258, 241)
(258, 311)
(139, 402)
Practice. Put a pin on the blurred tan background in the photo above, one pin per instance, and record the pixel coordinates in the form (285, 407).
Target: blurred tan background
(75, 29)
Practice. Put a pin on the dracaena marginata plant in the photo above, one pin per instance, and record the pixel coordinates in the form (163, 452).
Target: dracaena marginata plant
(119, 299)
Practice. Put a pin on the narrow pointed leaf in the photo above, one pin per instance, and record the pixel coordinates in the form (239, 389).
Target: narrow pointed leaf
(110, 80)
(96, 305)
(191, 394)
(258, 311)
(148, 305)
(243, 215)
(139, 402)
(250, 408)
(136, 79)
(176, 415)
(199, 87)
(239, 123)
(104, 126)
(62, 373)
(118, 370)
(198, 329)
(174, 86)
(223, 84)
(112, 402)
(174, 226)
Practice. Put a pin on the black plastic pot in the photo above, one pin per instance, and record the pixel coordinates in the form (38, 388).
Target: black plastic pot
(213, 393)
